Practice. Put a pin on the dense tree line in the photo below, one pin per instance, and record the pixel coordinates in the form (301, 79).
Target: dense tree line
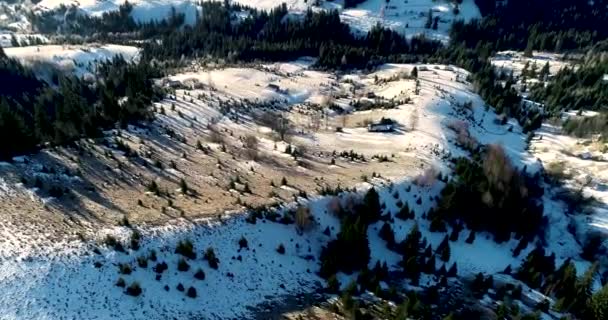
(541, 25)
(574, 294)
(581, 88)
(275, 35)
(490, 194)
(34, 113)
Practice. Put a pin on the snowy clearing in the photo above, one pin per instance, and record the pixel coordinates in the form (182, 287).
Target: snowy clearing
(77, 59)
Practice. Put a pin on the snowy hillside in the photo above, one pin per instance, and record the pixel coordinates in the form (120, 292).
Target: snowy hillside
(406, 16)
(71, 279)
(80, 60)
(143, 10)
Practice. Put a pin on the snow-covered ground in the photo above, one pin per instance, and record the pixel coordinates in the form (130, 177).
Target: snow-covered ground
(41, 279)
(584, 163)
(6, 39)
(409, 16)
(78, 59)
(515, 61)
(406, 16)
(143, 10)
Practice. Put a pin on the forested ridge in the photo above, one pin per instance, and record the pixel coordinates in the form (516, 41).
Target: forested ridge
(34, 113)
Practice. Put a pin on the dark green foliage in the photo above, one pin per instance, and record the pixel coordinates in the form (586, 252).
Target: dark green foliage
(453, 271)
(182, 265)
(471, 238)
(183, 186)
(111, 242)
(444, 249)
(333, 285)
(481, 284)
(531, 24)
(582, 88)
(281, 249)
(34, 113)
(349, 252)
(142, 262)
(186, 249)
(200, 274)
(269, 36)
(387, 234)
(121, 283)
(134, 289)
(405, 213)
(371, 206)
(135, 240)
(191, 293)
(124, 268)
(161, 267)
(211, 258)
(492, 195)
(243, 243)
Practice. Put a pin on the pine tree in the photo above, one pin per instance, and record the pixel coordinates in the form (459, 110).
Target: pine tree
(371, 206)
(414, 73)
(429, 20)
(445, 253)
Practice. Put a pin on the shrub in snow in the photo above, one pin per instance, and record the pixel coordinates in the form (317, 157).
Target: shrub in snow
(135, 239)
(191, 292)
(200, 274)
(152, 255)
(243, 243)
(211, 258)
(111, 242)
(182, 265)
(186, 249)
(134, 289)
(281, 249)
(121, 283)
(124, 268)
(180, 287)
(142, 262)
(161, 267)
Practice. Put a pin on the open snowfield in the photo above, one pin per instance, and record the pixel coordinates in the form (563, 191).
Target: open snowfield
(77, 59)
(48, 272)
(584, 163)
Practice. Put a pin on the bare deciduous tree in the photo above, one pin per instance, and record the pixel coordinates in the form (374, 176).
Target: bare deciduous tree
(303, 218)
(277, 123)
(414, 119)
(427, 178)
